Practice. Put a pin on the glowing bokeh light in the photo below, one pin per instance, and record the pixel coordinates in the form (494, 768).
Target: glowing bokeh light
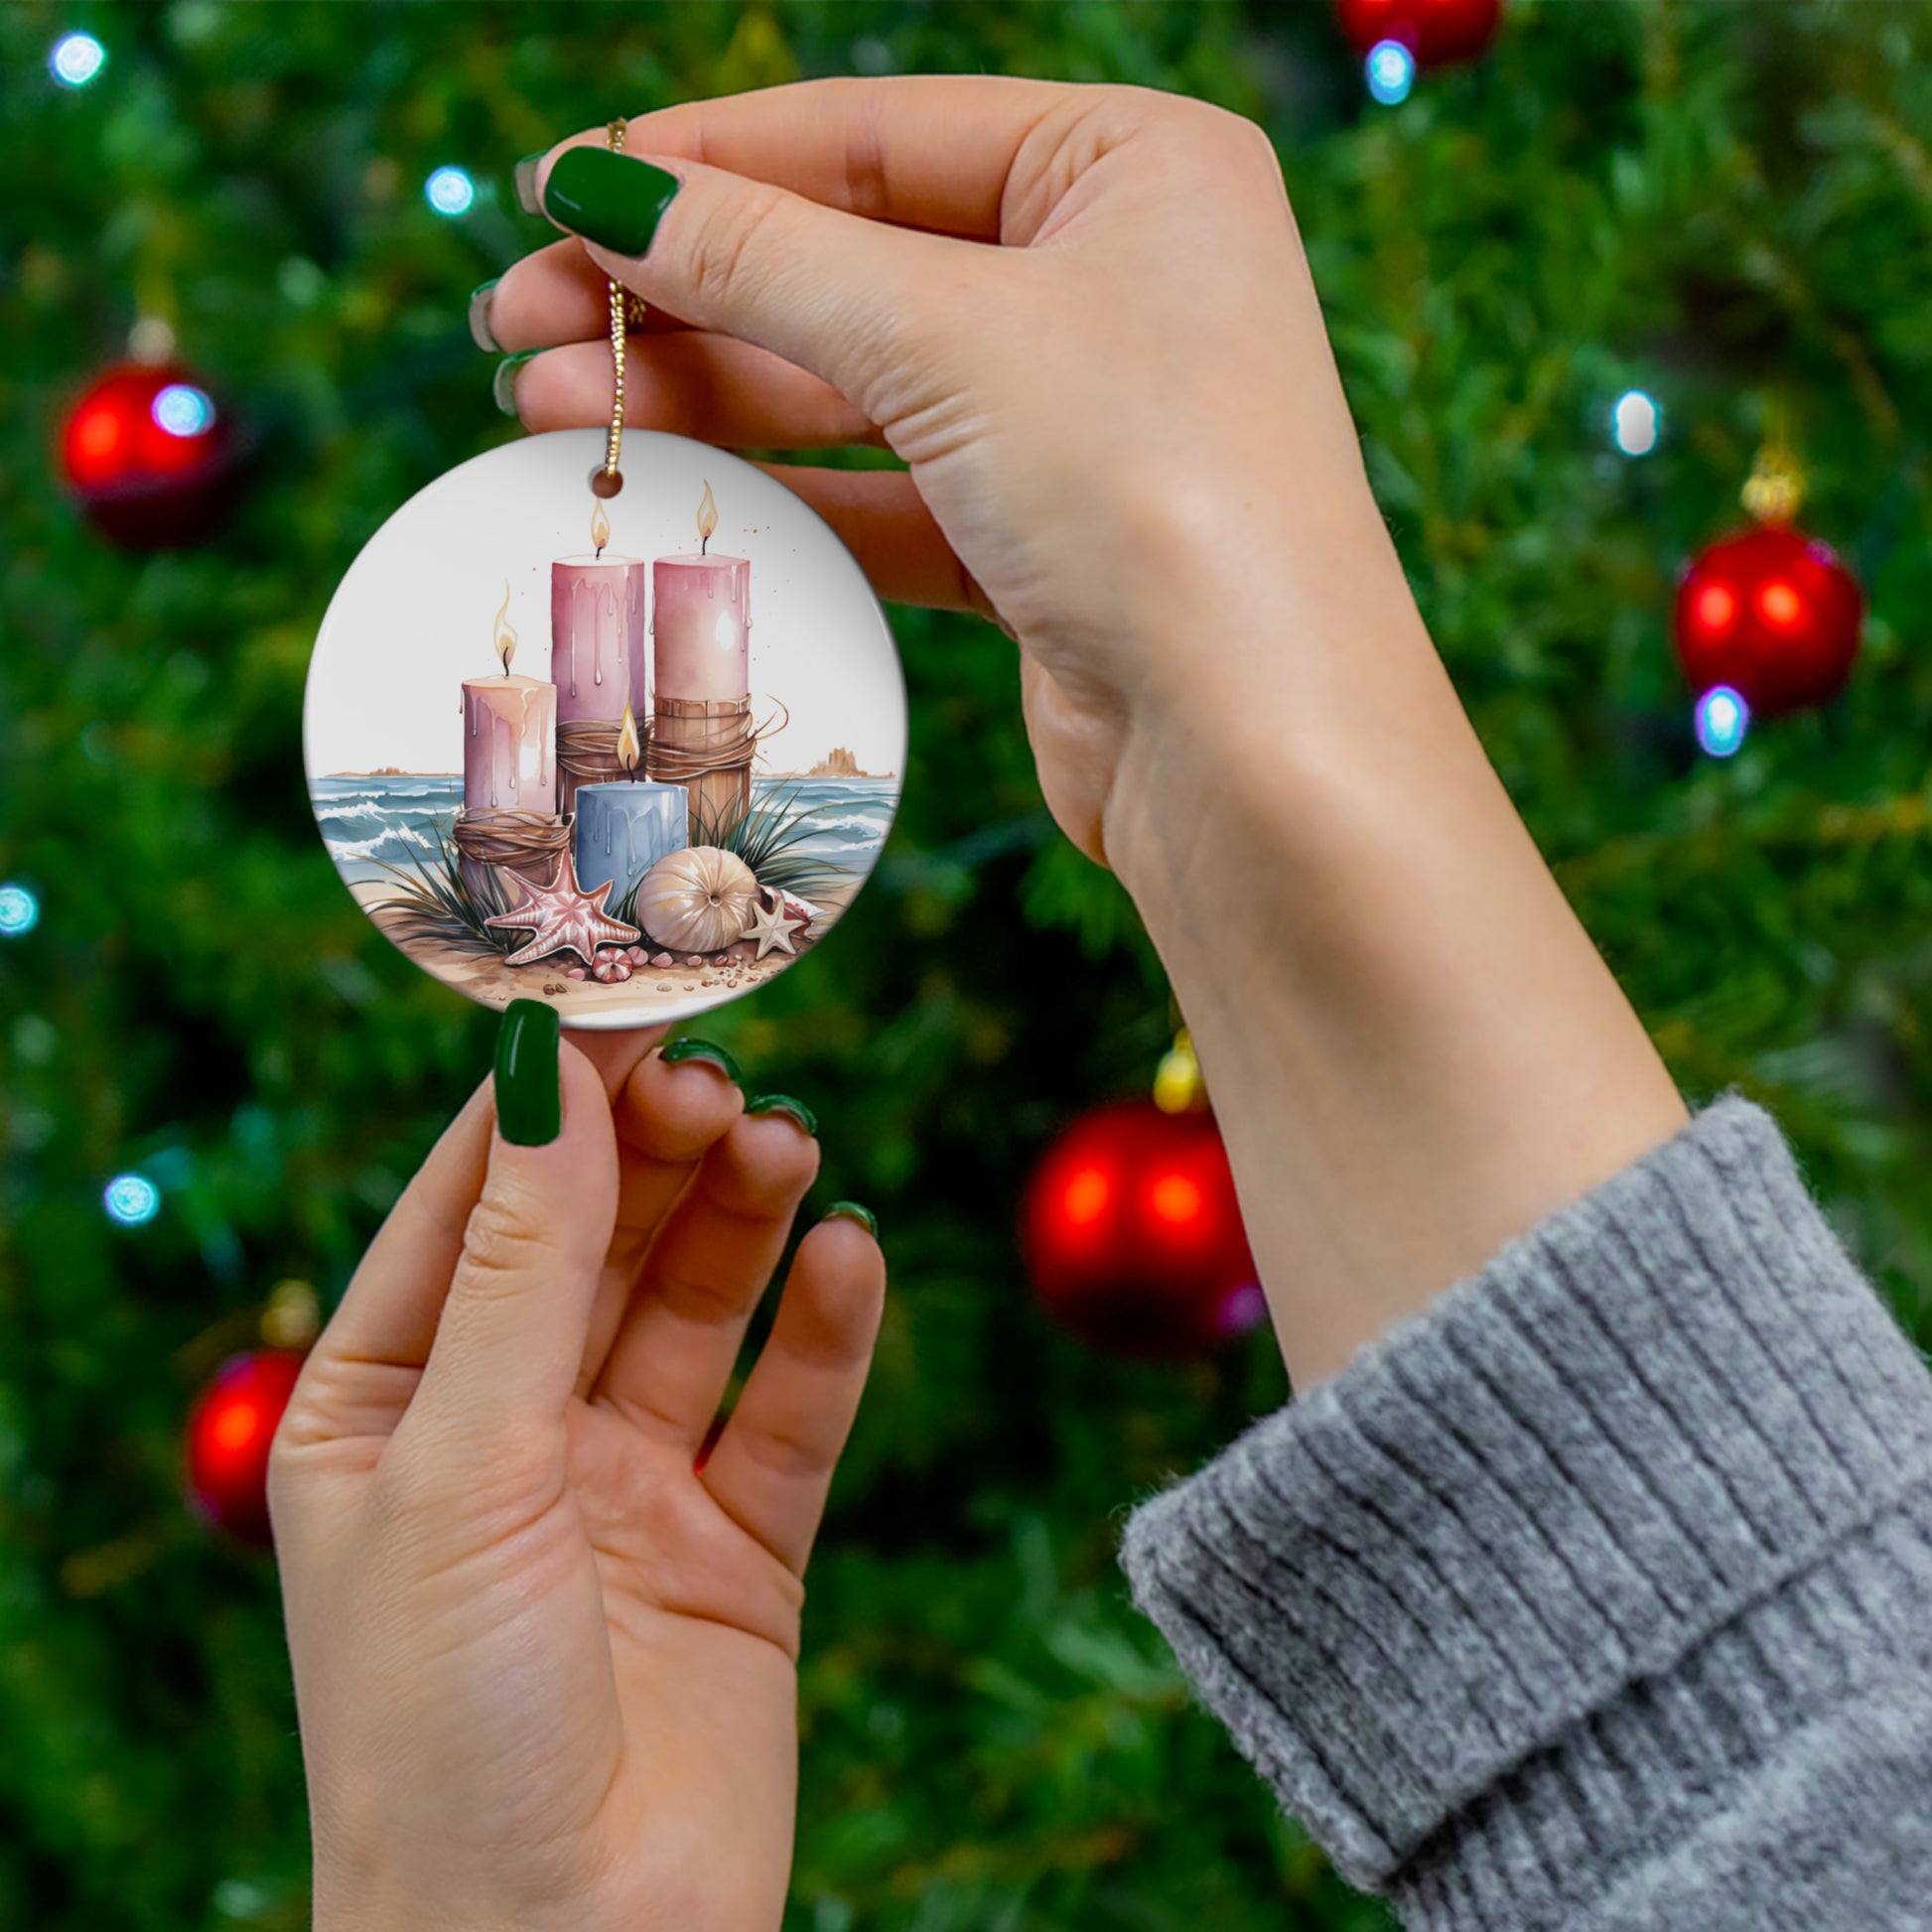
(1780, 604)
(450, 190)
(184, 410)
(1174, 1198)
(1723, 718)
(1636, 422)
(76, 58)
(1086, 1198)
(1715, 606)
(236, 1426)
(132, 1199)
(20, 911)
(1390, 70)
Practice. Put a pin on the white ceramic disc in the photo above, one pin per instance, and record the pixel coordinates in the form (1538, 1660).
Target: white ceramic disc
(633, 780)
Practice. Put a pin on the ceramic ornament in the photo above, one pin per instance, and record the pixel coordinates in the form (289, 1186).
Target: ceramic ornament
(632, 754)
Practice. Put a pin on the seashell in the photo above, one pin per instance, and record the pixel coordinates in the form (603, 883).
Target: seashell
(696, 959)
(662, 959)
(636, 955)
(613, 968)
(695, 900)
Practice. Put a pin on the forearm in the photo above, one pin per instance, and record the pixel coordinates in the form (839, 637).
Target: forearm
(1413, 1049)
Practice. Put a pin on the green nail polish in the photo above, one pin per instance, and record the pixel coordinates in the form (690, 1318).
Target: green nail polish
(525, 176)
(850, 1210)
(503, 386)
(479, 329)
(795, 1111)
(529, 1100)
(608, 198)
(680, 1051)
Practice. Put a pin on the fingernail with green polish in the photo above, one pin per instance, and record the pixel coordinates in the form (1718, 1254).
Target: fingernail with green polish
(704, 1052)
(608, 198)
(850, 1210)
(526, 183)
(795, 1111)
(479, 329)
(529, 1100)
(503, 386)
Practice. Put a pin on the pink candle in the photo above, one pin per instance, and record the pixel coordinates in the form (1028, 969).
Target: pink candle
(701, 627)
(509, 730)
(596, 637)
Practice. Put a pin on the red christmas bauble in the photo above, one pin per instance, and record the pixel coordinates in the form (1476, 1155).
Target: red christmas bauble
(149, 456)
(1772, 613)
(1435, 32)
(229, 1430)
(1134, 1237)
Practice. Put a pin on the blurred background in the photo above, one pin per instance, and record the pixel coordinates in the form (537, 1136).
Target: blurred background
(1581, 282)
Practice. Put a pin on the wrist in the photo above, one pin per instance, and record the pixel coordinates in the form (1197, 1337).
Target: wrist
(1413, 1049)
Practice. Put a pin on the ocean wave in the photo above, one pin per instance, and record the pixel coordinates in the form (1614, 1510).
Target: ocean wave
(398, 838)
(357, 820)
(872, 824)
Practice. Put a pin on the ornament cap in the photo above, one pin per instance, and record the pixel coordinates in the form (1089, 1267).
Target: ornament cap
(1774, 491)
(293, 1316)
(1177, 1086)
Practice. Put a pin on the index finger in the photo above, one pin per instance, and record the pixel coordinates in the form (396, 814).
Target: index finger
(918, 151)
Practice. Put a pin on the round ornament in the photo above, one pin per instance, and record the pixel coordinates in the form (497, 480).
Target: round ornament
(1437, 33)
(149, 456)
(1134, 1237)
(594, 750)
(1772, 615)
(229, 1431)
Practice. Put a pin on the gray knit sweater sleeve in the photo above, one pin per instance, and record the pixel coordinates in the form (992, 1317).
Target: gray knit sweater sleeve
(1601, 1594)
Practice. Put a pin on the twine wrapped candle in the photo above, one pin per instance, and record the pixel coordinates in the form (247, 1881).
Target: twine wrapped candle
(701, 630)
(509, 731)
(597, 656)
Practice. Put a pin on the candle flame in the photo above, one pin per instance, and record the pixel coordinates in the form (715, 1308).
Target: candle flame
(707, 518)
(628, 746)
(505, 639)
(600, 526)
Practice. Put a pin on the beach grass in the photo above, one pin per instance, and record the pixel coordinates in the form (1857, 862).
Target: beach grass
(433, 902)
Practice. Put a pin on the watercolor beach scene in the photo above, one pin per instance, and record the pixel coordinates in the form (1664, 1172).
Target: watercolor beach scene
(634, 768)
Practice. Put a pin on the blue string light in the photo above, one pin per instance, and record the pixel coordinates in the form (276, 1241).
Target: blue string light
(1723, 718)
(131, 1199)
(1636, 422)
(1390, 70)
(449, 192)
(184, 410)
(20, 911)
(75, 60)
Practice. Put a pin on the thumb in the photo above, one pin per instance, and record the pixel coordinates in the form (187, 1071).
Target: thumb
(831, 291)
(510, 1339)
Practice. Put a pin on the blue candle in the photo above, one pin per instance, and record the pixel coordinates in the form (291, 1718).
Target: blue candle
(623, 828)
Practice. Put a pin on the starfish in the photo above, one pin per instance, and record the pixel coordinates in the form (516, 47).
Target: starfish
(770, 926)
(563, 917)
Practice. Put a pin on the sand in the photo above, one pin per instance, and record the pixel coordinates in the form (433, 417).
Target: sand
(651, 996)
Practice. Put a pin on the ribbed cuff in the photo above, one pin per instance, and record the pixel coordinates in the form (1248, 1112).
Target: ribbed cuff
(1468, 1586)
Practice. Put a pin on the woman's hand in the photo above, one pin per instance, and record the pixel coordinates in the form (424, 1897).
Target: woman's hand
(1084, 317)
(546, 1666)
(1121, 419)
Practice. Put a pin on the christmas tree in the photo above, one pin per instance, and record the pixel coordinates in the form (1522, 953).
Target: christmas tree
(1721, 211)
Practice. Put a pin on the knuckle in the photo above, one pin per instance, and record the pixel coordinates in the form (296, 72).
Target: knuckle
(727, 253)
(501, 1249)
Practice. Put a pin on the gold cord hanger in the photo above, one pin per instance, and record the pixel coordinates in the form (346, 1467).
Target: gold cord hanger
(628, 311)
